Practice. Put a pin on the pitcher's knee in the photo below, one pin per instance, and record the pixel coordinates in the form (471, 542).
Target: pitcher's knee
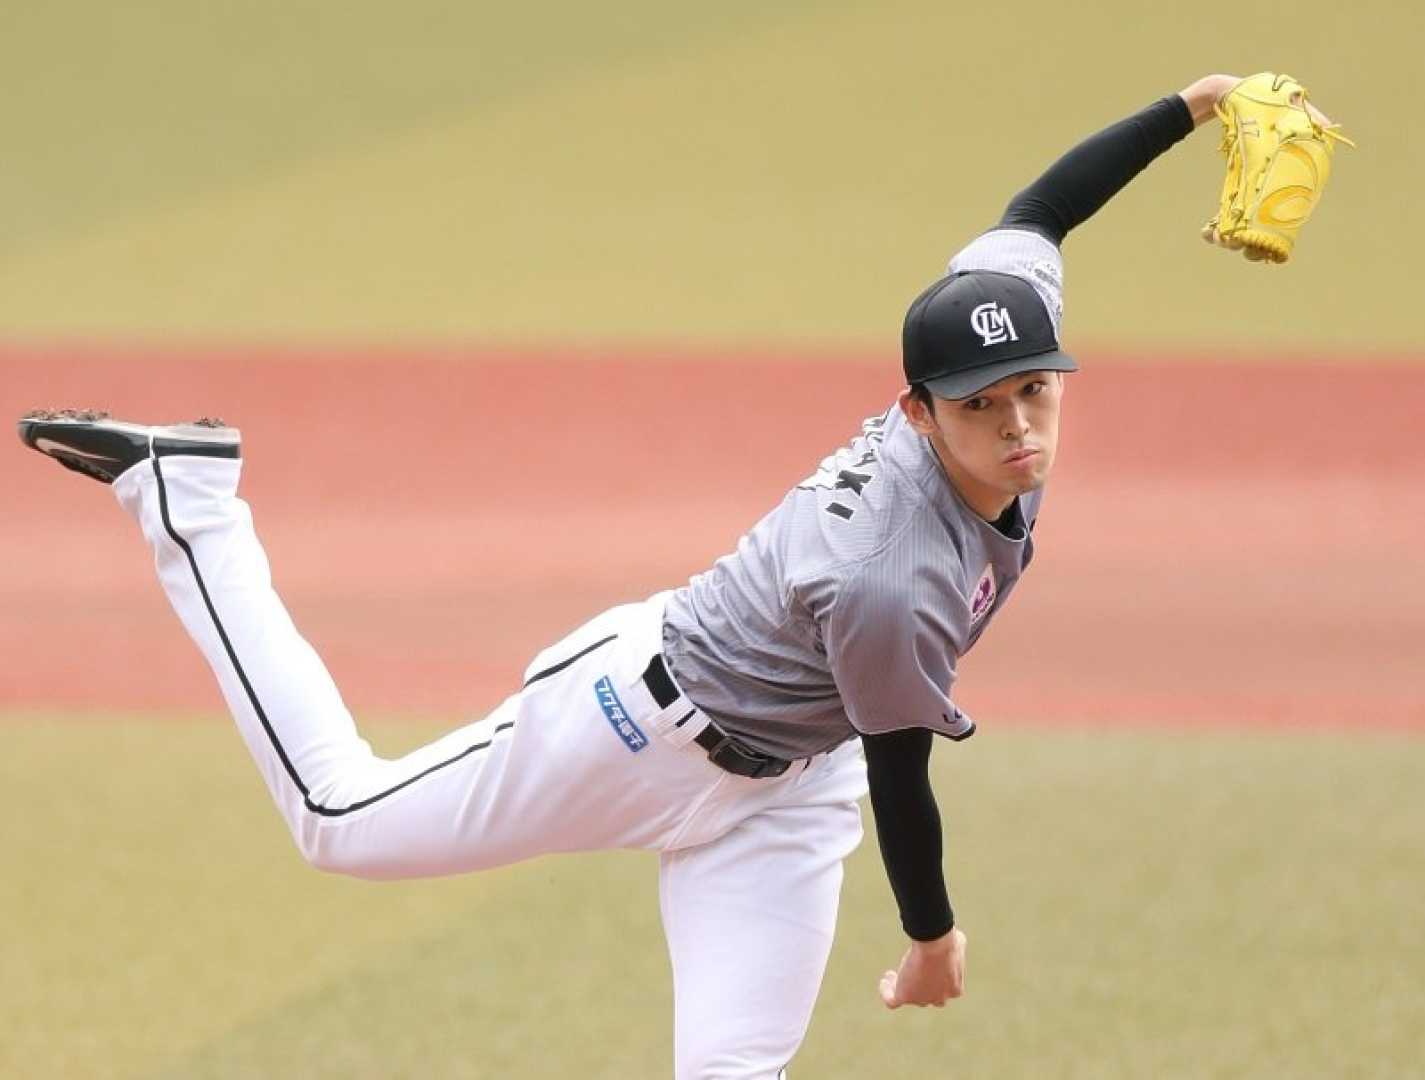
(354, 853)
(355, 850)
(332, 849)
(712, 1063)
(331, 859)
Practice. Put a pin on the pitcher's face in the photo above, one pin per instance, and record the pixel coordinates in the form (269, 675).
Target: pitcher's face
(997, 444)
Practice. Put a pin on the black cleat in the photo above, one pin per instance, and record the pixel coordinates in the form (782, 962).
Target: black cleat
(91, 443)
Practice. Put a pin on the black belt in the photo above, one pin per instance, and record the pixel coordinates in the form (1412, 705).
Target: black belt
(725, 751)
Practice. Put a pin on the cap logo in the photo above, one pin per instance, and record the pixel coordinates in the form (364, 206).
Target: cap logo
(992, 323)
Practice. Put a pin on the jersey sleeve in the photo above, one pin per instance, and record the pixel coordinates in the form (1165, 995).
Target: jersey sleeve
(1024, 254)
(893, 659)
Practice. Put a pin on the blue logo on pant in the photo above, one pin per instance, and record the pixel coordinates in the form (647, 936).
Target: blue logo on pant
(619, 720)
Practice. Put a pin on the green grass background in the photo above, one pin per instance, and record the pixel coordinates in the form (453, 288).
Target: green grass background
(661, 172)
(1139, 904)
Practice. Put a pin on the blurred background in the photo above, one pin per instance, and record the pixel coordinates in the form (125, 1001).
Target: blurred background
(655, 172)
(529, 310)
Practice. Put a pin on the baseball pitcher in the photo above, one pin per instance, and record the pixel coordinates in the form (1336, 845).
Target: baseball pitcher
(731, 725)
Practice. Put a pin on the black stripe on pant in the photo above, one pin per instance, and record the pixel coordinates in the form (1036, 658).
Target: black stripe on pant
(314, 807)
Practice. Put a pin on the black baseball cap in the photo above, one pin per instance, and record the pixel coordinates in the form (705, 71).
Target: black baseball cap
(974, 328)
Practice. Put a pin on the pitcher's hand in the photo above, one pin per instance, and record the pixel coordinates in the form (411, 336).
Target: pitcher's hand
(930, 973)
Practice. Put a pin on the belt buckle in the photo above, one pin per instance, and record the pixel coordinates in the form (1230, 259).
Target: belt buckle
(731, 756)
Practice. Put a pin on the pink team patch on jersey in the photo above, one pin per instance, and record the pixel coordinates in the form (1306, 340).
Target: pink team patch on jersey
(984, 596)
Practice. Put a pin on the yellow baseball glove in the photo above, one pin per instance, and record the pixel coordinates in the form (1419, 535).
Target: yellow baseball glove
(1278, 152)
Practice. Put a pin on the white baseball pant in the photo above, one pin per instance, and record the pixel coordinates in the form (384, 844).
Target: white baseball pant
(581, 758)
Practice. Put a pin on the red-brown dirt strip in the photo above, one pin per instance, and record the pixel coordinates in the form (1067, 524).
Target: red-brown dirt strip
(1222, 544)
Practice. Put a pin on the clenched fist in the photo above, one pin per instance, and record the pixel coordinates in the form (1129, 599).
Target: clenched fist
(930, 973)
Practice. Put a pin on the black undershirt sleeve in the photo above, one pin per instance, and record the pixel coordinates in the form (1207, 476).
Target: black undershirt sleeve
(1079, 183)
(908, 828)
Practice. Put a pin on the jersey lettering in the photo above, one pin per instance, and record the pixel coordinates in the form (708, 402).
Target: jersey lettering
(853, 480)
(850, 469)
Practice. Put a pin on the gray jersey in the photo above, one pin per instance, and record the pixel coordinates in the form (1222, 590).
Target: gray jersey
(847, 608)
